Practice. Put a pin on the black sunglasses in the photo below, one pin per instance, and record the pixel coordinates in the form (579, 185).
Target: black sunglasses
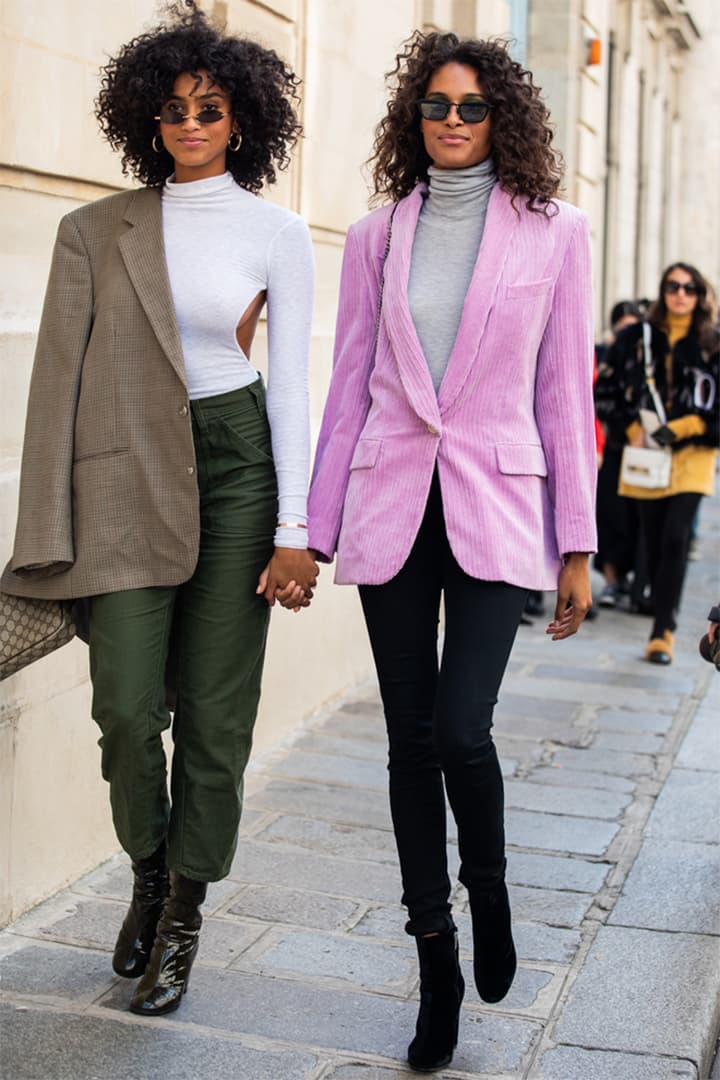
(173, 114)
(691, 289)
(470, 112)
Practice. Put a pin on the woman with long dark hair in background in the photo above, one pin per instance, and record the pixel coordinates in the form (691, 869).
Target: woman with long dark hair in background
(684, 366)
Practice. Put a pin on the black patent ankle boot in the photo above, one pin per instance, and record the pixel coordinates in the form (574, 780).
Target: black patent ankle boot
(176, 944)
(442, 988)
(494, 957)
(137, 933)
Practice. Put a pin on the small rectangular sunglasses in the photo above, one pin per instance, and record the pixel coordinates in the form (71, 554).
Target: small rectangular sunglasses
(209, 114)
(690, 289)
(471, 112)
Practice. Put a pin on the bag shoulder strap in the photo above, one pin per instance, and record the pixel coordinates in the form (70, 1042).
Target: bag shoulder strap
(650, 373)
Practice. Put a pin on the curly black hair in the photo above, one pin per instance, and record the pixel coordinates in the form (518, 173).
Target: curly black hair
(702, 322)
(527, 165)
(261, 87)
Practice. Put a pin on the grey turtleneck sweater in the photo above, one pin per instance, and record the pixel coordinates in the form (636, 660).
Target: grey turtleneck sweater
(445, 248)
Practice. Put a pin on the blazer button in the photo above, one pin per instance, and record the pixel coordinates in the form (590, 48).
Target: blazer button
(183, 410)
(432, 430)
(191, 470)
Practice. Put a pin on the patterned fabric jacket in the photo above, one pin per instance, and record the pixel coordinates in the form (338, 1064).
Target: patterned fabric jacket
(621, 389)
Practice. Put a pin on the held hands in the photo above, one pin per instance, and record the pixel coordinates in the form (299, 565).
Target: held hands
(574, 597)
(289, 578)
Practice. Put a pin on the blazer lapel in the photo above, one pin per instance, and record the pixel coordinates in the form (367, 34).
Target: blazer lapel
(398, 322)
(143, 252)
(500, 226)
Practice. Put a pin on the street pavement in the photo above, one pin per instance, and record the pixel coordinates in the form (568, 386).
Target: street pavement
(612, 770)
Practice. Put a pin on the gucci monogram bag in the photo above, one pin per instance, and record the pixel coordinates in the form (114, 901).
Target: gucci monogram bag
(30, 629)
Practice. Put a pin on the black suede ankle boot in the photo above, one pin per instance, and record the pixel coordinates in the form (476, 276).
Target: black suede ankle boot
(442, 988)
(166, 977)
(494, 958)
(137, 933)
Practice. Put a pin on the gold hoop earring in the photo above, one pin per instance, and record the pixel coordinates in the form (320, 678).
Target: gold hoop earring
(156, 148)
(238, 136)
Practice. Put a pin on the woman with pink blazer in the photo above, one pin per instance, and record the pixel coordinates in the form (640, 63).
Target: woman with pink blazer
(456, 459)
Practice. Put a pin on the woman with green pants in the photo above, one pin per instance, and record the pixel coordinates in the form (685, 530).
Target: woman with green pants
(159, 480)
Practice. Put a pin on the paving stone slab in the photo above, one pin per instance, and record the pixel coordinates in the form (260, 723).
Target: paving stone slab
(350, 841)
(610, 1007)
(533, 941)
(76, 1047)
(525, 994)
(491, 1043)
(631, 742)
(362, 1071)
(256, 863)
(76, 921)
(688, 808)
(295, 1011)
(325, 801)
(563, 776)
(369, 724)
(277, 904)
(574, 1063)
(329, 769)
(606, 761)
(56, 971)
(701, 746)
(223, 940)
(549, 906)
(524, 697)
(575, 801)
(324, 742)
(539, 729)
(639, 680)
(568, 691)
(334, 957)
(555, 872)
(672, 886)
(559, 832)
(623, 720)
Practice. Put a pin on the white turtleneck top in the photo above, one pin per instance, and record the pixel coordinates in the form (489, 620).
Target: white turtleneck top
(445, 249)
(223, 246)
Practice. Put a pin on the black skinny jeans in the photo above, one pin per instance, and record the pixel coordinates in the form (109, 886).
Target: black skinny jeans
(439, 716)
(666, 528)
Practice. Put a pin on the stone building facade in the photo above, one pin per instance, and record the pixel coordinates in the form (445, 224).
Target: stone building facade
(628, 128)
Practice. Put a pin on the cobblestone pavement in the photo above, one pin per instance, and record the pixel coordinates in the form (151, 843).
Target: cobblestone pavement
(612, 773)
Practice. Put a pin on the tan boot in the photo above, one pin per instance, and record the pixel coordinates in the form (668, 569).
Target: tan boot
(660, 650)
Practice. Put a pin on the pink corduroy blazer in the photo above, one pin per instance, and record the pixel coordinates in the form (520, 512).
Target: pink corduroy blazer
(511, 430)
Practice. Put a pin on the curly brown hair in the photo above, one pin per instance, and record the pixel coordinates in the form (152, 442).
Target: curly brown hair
(262, 91)
(702, 322)
(527, 165)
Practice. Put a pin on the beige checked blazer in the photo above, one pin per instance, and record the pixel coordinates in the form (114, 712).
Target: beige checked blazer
(108, 492)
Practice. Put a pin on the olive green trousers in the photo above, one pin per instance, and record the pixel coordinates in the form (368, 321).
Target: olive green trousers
(213, 630)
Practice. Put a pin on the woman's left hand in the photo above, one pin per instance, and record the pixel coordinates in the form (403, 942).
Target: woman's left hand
(574, 596)
(289, 578)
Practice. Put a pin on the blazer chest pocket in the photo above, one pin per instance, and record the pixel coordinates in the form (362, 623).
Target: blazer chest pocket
(366, 454)
(525, 290)
(521, 459)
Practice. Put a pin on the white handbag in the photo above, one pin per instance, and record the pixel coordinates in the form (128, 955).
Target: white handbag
(645, 467)
(648, 466)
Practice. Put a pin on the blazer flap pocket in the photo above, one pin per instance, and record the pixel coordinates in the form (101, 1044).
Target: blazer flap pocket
(531, 288)
(366, 454)
(522, 459)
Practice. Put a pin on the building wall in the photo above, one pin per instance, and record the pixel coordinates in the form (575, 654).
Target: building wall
(630, 129)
